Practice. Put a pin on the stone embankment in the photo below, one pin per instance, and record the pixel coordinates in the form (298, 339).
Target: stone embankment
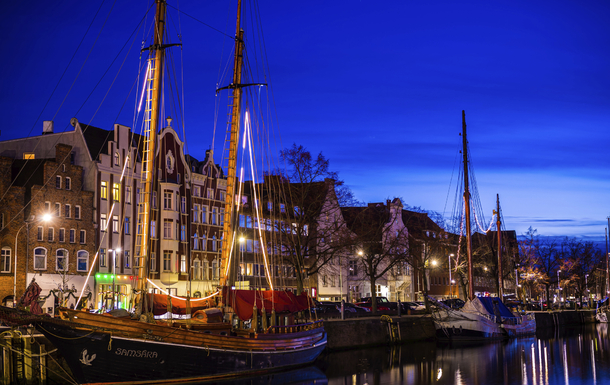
(386, 329)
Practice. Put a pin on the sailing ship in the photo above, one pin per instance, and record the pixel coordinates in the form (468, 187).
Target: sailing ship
(481, 318)
(229, 334)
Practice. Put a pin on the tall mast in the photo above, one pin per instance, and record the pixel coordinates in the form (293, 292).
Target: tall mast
(227, 270)
(152, 116)
(467, 208)
(499, 227)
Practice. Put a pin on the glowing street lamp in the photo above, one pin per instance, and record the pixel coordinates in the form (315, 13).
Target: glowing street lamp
(26, 224)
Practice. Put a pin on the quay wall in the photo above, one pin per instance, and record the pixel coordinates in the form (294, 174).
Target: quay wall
(554, 319)
(377, 330)
(369, 331)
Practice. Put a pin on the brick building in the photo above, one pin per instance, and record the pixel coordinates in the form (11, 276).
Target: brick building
(56, 253)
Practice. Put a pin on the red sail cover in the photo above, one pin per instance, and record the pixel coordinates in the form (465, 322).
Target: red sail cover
(159, 302)
(243, 301)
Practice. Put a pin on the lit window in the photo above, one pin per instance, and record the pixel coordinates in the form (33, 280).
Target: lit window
(183, 264)
(103, 224)
(104, 190)
(115, 223)
(116, 192)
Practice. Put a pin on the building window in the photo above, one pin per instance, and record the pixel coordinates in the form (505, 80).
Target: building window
(195, 242)
(103, 223)
(137, 195)
(68, 183)
(117, 159)
(102, 257)
(67, 211)
(153, 229)
(167, 199)
(128, 194)
(197, 270)
(82, 261)
(223, 196)
(72, 235)
(61, 260)
(270, 206)
(127, 226)
(196, 191)
(40, 258)
(215, 270)
(204, 242)
(353, 268)
(222, 216)
(57, 182)
(62, 235)
(127, 256)
(57, 209)
(214, 244)
(40, 232)
(183, 205)
(167, 261)
(104, 190)
(47, 207)
(282, 208)
(167, 229)
(214, 215)
(183, 264)
(182, 233)
(116, 192)
(83, 236)
(196, 213)
(6, 260)
(153, 262)
(210, 193)
(50, 234)
(77, 212)
(204, 214)
(115, 223)
(154, 200)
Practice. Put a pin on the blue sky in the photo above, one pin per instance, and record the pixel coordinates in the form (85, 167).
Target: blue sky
(377, 87)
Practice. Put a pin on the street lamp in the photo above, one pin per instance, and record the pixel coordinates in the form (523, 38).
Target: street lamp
(450, 280)
(587, 290)
(558, 288)
(26, 224)
(114, 251)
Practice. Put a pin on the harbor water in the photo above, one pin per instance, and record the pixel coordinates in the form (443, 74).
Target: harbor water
(569, 356)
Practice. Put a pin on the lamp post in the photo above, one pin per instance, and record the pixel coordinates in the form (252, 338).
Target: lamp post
(587, 290)
(114, 251)
(558, 288)
(26, 224)
(450, 280)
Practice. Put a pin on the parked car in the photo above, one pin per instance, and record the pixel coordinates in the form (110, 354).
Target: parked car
(352, 308)
(382, 303)
(455, 303)
(326, 308)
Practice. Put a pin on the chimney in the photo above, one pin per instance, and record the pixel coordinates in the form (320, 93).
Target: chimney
(47, 127)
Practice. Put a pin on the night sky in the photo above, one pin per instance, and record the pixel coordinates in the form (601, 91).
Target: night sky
(377, 87)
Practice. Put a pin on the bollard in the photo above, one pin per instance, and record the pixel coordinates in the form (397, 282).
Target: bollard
(342, 309)
(399, 307)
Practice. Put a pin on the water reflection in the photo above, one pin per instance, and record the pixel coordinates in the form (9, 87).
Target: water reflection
(570, 356)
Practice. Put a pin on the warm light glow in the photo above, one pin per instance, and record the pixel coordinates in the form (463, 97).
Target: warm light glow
(434, 263)
(360, 253)
(242, 239)
(183, 298)
(46, 217)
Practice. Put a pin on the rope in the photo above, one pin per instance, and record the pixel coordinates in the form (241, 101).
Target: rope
(67, 338)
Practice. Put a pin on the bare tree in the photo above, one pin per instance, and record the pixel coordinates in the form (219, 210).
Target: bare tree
(380, 238)
(312, 230)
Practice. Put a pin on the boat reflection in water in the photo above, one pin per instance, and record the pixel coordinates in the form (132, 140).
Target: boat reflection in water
(574, 356)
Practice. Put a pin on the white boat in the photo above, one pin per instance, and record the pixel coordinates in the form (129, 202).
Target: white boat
(481, 318)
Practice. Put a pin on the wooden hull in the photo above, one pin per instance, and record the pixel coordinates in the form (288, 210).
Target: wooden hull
(102, 349)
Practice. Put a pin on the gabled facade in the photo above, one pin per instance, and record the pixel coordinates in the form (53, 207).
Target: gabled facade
(59, 252)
